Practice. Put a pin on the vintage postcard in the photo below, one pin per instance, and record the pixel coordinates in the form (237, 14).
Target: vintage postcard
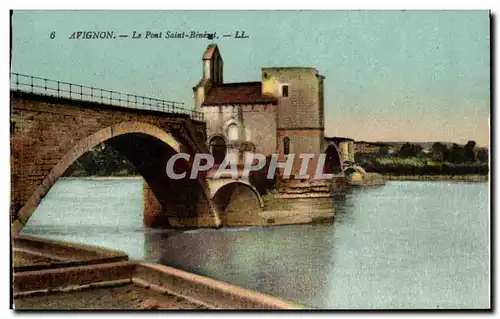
(204, 160)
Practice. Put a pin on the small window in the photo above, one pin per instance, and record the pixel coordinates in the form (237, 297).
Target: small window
(286, 145)
(284, 91)
(233, 132)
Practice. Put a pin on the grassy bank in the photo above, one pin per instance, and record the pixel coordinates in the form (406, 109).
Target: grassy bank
(425, 168)
(455, 178)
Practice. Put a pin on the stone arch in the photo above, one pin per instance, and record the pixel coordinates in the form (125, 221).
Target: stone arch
(238, 201)
(124, 137)
(355, 175)
(348, 170)
(333, 161)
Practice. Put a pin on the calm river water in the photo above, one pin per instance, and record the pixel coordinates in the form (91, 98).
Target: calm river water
(402, 245)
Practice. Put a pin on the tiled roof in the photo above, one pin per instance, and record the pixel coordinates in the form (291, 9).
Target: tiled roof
(237, 93)
(209, 52)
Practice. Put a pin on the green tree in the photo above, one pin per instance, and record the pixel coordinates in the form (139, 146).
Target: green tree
(482, 155)
(102, 160)
(383, 150)
(455, 154)
(439, 151)
(469, 154)
(410, 150)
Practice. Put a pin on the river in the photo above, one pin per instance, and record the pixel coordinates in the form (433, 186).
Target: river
(402, 245)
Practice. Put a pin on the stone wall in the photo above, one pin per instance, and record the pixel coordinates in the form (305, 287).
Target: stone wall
(300, 114)
(49, 134)
(256, 123)
(302, 107)
(302, 141)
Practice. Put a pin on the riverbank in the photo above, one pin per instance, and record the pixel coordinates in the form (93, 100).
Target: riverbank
(452, 178)
(100, 178)
(52, 274)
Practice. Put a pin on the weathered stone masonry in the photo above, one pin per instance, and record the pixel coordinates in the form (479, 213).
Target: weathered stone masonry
(48, 134)
(287, 104)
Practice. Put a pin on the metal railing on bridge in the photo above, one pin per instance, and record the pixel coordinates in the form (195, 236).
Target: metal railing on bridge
(42, 86)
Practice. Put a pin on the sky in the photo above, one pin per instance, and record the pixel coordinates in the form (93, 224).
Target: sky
(390, 75)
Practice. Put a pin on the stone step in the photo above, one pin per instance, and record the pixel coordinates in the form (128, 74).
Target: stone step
(296, 190)
(320, 189)
(304, 195)
(50, 279)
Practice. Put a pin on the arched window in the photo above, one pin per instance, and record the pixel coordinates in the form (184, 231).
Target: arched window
(233, 132)
(286, 145)
(284, 90)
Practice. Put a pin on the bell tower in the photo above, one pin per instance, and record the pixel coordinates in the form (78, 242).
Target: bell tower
(213, 65)
(213, 69)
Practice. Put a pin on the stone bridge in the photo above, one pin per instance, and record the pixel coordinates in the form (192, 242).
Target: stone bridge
(54, 123)
(238, 201)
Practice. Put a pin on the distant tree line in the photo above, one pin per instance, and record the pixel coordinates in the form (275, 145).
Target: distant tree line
(440, 159)
(102, 160)
(455, 154)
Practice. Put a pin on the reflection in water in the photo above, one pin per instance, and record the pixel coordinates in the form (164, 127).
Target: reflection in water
(406, 244)
(265, 259)
(344, 204)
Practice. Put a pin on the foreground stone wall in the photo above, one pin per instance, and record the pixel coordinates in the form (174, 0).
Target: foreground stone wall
(158, 279)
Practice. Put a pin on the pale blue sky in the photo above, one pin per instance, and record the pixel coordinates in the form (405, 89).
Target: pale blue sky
(390, 75)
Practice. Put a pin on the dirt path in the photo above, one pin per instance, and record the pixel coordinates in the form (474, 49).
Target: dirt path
(125, 297)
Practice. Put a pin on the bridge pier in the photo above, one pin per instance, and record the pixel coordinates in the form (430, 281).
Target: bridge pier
(153, 215)
(162, 214)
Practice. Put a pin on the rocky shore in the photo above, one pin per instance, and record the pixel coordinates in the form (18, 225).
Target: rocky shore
(365, 179)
